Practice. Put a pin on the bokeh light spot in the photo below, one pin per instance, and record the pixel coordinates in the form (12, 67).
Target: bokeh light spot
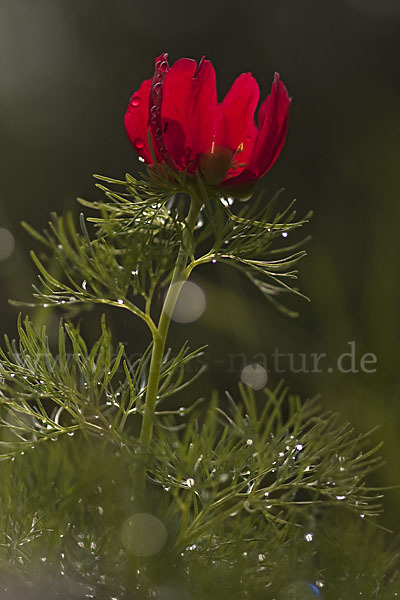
(255, 376)
(7, 243)
(190, 305)
(143, 534)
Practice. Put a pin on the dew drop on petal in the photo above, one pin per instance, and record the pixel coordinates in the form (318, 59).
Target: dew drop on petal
(138, 143)
(135, 101)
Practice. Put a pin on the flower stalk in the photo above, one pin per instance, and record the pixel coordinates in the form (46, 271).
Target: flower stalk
(179, 276)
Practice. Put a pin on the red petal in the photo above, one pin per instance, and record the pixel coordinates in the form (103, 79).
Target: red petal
(241, 158)
(202, 110)
(274, 120)
(177, 90)
(155, 103)
(236, 113)
(136, 121)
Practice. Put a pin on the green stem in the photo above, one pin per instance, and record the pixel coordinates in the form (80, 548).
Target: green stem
(179, 276)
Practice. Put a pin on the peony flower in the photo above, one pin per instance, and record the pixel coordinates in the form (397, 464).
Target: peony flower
(191, 131)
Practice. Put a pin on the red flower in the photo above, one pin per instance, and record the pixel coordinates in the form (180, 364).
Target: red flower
(190, 131)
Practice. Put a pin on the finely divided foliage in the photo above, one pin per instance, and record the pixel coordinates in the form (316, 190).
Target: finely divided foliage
(239, 481)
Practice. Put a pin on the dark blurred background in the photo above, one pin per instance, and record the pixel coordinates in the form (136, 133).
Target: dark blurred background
(67, 70)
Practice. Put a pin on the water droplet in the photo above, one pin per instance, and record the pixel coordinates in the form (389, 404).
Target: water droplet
(120, 301)
(261, 557)
(141, 159)
(340, 497)
(138, 143)
(84, 284)
(190, 482)
(309, 537)
(135, 101)
(299, 447)
(249, 442)
(200, 222)
(214, 260)
(284, 234)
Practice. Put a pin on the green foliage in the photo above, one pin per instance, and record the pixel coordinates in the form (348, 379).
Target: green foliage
(250, 241)
(137, 236)
(47, 394)
(241, 485)
(260, 467)
(66, 504)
